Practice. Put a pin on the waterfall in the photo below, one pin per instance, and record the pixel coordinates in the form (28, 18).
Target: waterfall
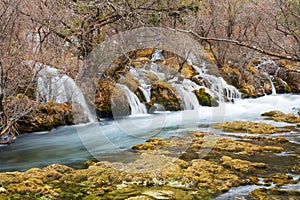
(146, 92)
(136, 106)
(218, 85)
(52, 86)
(157, 55)
(189, 98)
(271, 82)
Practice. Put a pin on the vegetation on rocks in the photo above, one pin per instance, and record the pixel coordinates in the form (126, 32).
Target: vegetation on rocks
(47, 116)
(249, 127)
(282, 117)
(156, 173)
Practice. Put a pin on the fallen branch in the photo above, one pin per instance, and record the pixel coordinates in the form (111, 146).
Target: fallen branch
(242, 44)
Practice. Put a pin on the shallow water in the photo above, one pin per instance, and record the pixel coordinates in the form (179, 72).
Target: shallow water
(112, 140)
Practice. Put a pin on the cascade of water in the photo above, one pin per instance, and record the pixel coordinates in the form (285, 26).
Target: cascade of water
(189, 98)
(271, 82)
(268, 66)
(136, 106)
(51, 86)
(157, 55)
(218, 85)
(146, 92)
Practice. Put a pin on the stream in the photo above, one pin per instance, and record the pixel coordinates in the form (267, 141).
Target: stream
(112, 140)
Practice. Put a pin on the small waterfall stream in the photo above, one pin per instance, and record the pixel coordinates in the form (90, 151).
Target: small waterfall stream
(189, 98)
(135, 105)
(271, 82)
(268, 66)
(52, 86)
(218, 85)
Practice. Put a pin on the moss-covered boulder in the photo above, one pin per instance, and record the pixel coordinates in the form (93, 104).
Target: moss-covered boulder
(241, 165)
(249, 127)
(281, 116)
(110, 99)
(274, 193)
(47, 116)
(166, 95)
(204, 98)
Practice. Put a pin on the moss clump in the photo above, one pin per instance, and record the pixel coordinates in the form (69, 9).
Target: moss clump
(204, 98)
(151, 144)
(274, 193)
(241, 165)
(280, 179)
(166, 95)
(281, 116)
(225, 144)
(249, 127)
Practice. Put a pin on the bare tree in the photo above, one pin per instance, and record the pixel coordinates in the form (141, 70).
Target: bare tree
(14, 76)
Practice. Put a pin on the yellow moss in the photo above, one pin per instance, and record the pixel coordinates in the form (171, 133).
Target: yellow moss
(241, 165)
(282, 117)
(249, 127)
(143, 52)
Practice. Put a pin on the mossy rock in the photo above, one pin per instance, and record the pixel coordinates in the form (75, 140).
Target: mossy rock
(143, 53)
(274, 193)
(110, 100)
(166, 95)
(205, 99)
(47, 116)
(241, 165)
(226, 144)
(282, 117)
(249, 127)
(280, 86)
(248, 91)
(280, 179)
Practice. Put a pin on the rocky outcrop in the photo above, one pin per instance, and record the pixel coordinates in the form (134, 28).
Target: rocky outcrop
(281, 116)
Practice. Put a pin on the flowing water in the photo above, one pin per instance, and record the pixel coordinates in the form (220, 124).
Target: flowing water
(60, 88)
(108, 140)
(112, 140)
